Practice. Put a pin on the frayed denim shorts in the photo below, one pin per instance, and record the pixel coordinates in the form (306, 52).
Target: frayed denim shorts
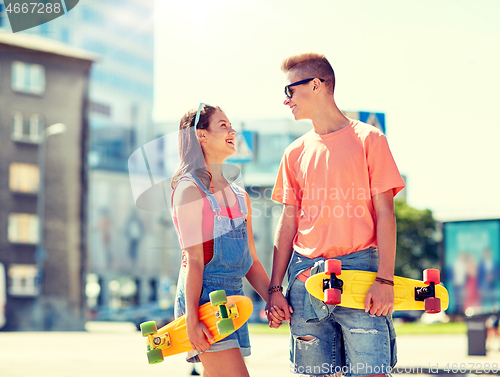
(238, 339)
(338, 339)
(232, 341)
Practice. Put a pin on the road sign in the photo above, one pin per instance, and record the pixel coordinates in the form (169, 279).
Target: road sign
(244, 144)
(375, 119)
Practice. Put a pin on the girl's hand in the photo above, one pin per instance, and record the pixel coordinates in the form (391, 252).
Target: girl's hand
(199, 335)
(274, 324)
(276, 316)
(277, 308)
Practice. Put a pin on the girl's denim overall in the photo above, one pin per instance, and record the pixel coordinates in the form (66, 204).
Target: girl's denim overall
(230, 263)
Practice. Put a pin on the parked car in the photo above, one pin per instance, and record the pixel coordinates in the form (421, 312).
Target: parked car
(407, 315)
(3, 296)
(136, 314)
(150, 312)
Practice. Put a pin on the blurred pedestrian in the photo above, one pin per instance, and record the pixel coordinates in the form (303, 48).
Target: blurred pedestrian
(492, 333)
(487, 275)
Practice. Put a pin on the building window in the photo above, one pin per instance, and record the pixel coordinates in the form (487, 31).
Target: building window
(44, 29)
(28, 78)
(65, 35)
(22, 280)
(27, 131)
(24, 178)
(100, 108)
(36, 126)
(23, 228)
(17, 125)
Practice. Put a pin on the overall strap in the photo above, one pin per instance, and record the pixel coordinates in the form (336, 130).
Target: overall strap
(241, 199)
(209, 195)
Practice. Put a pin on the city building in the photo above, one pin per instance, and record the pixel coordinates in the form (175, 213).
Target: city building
(43, 183)
(120, 110)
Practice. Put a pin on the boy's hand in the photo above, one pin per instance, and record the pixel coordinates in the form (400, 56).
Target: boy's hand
(275, 317)
(380, 299)
(277, 309)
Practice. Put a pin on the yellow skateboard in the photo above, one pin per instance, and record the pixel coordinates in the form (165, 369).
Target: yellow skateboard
(222, 315)
(349, 287)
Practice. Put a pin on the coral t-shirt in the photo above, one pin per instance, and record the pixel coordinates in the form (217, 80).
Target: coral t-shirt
(332, 178)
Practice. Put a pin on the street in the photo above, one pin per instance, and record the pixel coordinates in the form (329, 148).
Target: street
(114, 349)
(117, 349)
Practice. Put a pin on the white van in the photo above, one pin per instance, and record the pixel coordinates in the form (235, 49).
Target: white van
(3, 296)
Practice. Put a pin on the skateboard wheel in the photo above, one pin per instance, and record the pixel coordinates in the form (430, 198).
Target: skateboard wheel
(155, 356)
(431, 276)
(218, 298)
(148, 328)
(333, 266)
(432, 305)
(225, 326)
(332, 296)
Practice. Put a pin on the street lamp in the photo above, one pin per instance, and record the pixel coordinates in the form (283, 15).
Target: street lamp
(40, 253)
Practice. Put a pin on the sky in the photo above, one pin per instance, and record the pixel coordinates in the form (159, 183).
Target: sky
(432, 66)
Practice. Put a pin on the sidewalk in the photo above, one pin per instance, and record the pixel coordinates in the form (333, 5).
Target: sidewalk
(440, 352)
(119, 350)
(417, 354)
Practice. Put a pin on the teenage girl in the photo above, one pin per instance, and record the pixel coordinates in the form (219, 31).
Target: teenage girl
(212, 216)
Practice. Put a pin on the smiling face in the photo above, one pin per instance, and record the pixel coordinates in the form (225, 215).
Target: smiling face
(218, 140)
(300, 102)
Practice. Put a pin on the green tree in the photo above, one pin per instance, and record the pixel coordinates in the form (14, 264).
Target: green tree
(417, 248)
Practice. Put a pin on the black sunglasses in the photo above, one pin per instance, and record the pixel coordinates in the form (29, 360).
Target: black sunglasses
(289, 93)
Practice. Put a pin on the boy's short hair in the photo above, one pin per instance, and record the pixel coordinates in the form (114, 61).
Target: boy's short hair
(311, 64)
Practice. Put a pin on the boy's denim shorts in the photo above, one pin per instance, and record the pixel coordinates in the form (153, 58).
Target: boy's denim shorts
(341, 340)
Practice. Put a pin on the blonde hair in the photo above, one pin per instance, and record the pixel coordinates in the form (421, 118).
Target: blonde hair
(311, 64)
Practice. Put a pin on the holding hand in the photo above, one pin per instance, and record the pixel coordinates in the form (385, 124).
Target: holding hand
(380, 299)
(199, 335)
(277, 310)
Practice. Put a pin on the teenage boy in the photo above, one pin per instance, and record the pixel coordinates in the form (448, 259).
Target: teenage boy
(336, 183)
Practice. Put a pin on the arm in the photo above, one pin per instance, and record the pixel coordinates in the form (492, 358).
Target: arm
(380, 298)
(188, 204)
(283, 247)
(257, 276)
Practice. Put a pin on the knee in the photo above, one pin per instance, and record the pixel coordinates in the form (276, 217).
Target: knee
(306, 338)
